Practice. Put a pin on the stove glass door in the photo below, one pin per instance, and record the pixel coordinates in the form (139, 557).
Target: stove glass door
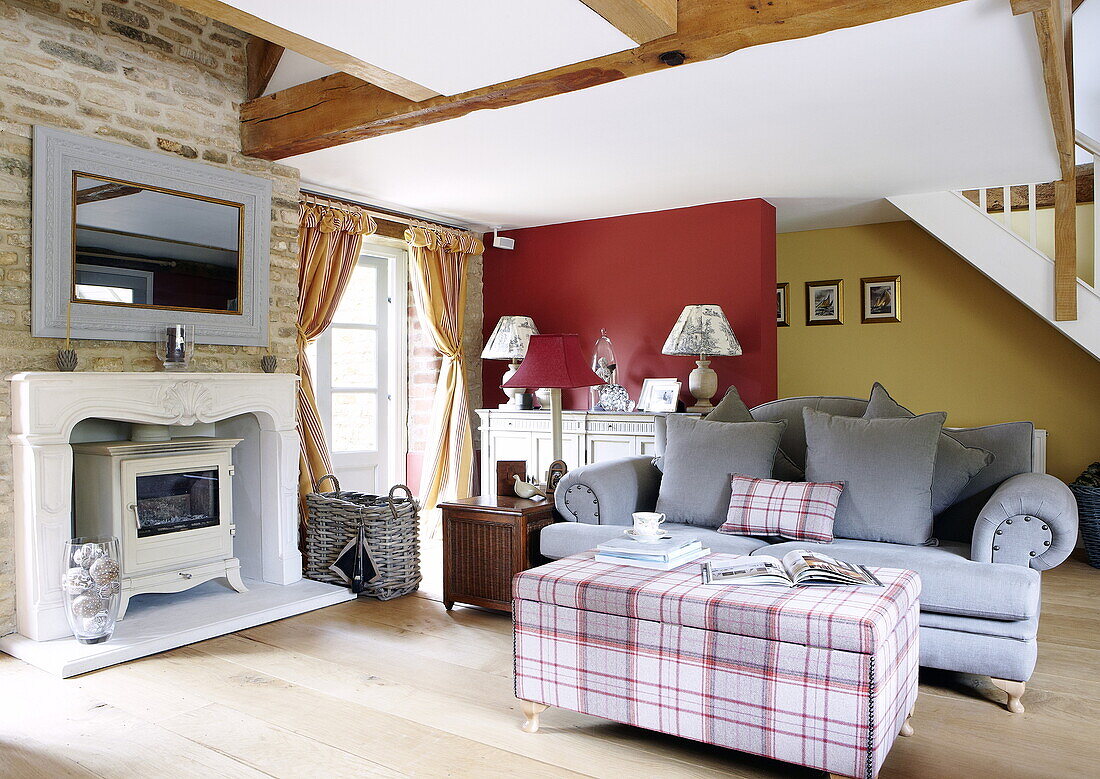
(174, 502)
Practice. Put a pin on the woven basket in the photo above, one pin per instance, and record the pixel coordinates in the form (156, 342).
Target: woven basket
(392, 533)
(1088, 510)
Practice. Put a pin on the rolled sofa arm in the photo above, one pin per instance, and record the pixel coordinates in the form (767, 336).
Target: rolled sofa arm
(1031, 519)
(607, 493)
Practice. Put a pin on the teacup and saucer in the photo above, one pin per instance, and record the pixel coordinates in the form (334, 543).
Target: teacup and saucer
(647, 526)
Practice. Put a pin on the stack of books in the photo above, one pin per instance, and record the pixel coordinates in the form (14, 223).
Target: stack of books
(661, 555)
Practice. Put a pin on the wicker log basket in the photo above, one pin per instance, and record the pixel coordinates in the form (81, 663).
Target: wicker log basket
(392, 533)
(1087, 491)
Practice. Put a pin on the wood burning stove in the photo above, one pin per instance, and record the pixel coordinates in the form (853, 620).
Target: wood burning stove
(169, 503)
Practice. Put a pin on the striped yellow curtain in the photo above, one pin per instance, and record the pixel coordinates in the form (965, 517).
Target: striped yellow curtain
(439, 260)
(330, 236)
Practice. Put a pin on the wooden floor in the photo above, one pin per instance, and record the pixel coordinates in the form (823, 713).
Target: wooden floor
(405, 688)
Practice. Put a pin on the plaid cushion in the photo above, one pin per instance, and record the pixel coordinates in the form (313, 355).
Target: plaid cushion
(802, 511)
(832, 709)
(855, 619)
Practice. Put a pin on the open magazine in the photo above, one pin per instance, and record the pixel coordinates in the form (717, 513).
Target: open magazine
(797, 568)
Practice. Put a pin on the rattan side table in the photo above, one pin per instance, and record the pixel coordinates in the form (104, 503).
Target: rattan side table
(486, 541)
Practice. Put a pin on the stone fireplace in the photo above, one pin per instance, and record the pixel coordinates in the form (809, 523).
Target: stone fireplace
(52, 412)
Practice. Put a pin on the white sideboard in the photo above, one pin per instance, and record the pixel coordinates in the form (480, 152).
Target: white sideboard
(587, 437)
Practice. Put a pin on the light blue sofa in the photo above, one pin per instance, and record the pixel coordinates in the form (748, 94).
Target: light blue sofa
(980, 599)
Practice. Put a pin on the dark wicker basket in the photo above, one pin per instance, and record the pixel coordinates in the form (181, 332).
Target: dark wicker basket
(392, 533)
(1088, 511)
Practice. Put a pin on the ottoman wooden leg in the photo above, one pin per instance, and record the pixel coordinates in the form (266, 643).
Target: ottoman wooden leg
(907, 726)
(1015, 691)
(531, 712)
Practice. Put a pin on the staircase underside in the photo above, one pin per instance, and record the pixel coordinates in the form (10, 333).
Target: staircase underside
(1026, 273)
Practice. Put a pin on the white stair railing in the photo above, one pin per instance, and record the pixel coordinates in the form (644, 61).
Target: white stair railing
(1038, 227)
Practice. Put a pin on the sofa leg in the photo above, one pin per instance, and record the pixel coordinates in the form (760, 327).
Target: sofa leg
(1015, 691)
(531, 712)
(907, 726)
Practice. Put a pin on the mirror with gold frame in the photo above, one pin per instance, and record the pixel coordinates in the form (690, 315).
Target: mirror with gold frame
(126, 240)
(148, 247)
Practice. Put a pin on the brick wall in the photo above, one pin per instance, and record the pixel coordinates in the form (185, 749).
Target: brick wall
(144, 73)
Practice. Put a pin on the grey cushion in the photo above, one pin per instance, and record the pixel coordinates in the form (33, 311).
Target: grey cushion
(987, 655)
(1019, 629)
(1011, 444)
(732, 409)
(698, 461)
(793, 442)
(566, 538)
(950, 582)
(956, 464)
(886, 465)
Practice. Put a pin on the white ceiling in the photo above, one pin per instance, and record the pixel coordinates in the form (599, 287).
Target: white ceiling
(294, 69)
(945, 99)
(450, 46)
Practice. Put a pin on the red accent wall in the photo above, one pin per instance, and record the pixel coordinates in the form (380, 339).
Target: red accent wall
(632, 275)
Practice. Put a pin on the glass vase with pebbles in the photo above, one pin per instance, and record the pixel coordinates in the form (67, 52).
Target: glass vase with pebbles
(91, 583)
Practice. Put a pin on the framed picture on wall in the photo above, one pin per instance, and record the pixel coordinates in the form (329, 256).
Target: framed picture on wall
(881, 299)
(782, 309)
(825, 302)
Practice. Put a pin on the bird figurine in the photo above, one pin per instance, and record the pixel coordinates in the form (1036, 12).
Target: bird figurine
(527, 489)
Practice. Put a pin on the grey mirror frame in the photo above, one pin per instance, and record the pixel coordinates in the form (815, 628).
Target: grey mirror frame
(57, 154)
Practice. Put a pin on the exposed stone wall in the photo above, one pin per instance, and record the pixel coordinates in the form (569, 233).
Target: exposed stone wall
(144, 73)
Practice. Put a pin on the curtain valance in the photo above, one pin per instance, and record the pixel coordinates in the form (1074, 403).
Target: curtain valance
(436, 238)
(332, 217)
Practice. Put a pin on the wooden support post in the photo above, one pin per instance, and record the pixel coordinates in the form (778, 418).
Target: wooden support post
(1053, 33)
(1065, 249)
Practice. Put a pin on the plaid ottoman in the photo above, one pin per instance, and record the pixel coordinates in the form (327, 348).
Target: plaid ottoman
(820, 676)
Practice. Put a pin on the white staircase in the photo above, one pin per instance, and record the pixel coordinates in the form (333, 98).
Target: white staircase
(991, 246)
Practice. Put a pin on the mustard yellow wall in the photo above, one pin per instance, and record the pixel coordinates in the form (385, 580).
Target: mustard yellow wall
(964, 345)
(1044, 235)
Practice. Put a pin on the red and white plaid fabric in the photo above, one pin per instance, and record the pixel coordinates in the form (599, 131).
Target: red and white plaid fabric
(802, 511)
(819, 676)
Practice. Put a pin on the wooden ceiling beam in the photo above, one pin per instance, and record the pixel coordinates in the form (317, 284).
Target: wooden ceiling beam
(334, 58)
(263, 57)
(338, 109)
(640, 20)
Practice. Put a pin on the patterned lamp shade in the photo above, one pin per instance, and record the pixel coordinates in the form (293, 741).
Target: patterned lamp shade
(509, 338)
(554, 361)
(702, 330)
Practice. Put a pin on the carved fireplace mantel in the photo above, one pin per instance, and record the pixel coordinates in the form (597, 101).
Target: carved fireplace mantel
(46, 407)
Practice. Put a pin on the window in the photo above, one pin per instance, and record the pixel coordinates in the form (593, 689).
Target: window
(358, 366)
(113, 285)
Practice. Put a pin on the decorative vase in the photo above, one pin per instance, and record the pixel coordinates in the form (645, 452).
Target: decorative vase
(91, 587)
(175, 346)
(66, 359)
(269, 363)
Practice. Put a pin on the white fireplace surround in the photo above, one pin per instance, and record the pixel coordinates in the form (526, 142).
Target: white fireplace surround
(47, 407)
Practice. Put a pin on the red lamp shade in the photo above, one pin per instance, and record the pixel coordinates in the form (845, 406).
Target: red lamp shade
(554, 362)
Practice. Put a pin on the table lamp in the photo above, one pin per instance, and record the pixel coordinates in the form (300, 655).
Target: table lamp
(554, 362)
(702, 330)
(509, 342)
